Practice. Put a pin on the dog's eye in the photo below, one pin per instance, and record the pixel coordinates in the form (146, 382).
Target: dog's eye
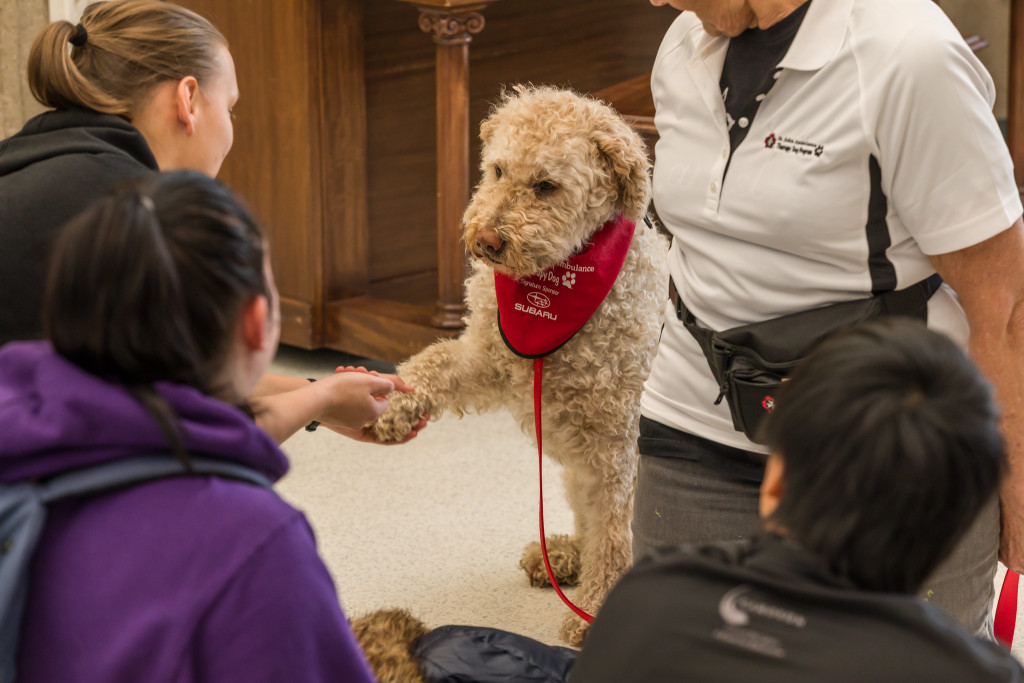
(544, 187)
(497, 171)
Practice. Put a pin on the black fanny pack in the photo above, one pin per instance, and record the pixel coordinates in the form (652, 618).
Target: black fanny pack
(750, 362)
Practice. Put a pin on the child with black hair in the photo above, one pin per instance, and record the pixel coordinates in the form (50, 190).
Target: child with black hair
(885, 446)
(162, 315)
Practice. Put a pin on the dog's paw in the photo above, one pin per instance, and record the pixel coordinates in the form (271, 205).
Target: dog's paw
(574, 630)
(564, 555)
(398, 420)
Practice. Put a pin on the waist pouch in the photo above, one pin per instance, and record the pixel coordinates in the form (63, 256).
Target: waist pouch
(750, 362)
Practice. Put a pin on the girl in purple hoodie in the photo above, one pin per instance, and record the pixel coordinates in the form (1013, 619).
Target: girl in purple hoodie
(161, 315)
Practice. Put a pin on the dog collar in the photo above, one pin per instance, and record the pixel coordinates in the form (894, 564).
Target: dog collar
(539, 313)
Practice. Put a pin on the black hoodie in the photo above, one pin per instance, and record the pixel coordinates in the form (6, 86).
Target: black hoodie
(52, 169)
(765, 609)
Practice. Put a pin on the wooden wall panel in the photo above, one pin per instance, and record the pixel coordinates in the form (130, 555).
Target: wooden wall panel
(275, 162)
(583, 44)
(346, 259)
(401, 147)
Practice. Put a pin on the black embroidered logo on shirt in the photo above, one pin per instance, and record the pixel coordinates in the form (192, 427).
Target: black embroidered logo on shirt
(793, 146)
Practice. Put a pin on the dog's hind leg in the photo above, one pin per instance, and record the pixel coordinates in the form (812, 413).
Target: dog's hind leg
(603, 503)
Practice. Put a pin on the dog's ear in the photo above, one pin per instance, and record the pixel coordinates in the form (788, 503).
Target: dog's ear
(506, 96)
(627, 158)
(487, 127)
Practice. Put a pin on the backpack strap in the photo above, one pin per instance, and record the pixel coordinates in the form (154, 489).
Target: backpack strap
(23, 515)
(119, 474)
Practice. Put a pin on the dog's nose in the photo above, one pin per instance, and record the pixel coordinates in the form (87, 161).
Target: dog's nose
(488, 242)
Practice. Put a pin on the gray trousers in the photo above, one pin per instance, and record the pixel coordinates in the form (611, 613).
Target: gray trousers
(680, 500)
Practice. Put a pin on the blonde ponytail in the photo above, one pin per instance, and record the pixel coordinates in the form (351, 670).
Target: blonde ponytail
(128, 47)
(54, 77)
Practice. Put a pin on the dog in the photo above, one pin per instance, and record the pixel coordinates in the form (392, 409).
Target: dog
(557, 168)
(388, 638)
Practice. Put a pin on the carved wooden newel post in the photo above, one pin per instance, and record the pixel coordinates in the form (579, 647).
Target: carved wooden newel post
(452, 23)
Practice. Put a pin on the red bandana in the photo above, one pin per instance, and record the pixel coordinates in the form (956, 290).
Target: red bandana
(539, 313)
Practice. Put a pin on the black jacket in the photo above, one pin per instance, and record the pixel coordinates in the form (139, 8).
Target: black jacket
(49, 171)
(765, 610)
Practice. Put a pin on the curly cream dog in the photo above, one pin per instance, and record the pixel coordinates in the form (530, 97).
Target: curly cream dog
(556, 167)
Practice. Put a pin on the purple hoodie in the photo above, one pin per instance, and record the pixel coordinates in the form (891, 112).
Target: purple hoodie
(183, 579)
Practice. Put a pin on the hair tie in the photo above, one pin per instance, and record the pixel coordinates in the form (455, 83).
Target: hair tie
(81, 35)
(147, 204)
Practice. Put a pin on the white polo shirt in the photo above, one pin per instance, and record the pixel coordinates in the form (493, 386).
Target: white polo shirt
(876, 146)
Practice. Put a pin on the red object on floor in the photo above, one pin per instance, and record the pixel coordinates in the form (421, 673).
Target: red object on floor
(1006, 609)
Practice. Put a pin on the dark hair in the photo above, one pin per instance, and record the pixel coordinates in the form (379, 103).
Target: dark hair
(891, 447)
(129, 47)
(147, 285)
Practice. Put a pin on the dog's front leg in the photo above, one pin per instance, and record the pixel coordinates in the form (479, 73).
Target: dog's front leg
(446, 375)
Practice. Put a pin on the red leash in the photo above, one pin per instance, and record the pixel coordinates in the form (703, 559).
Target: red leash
(538, 372)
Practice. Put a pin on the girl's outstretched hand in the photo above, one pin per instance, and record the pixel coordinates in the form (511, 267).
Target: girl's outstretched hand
(346, 427)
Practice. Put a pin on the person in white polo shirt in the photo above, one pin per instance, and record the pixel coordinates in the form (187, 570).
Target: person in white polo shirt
(813, 152)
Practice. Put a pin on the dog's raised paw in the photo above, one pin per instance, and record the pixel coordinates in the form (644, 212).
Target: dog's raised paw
(397, 421)
(564, 555)
(390, 430)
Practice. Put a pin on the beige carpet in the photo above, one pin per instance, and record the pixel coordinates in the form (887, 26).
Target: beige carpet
(436, 525)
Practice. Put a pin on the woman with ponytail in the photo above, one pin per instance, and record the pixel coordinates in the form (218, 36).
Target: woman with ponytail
(161, 314)
(136, 87)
